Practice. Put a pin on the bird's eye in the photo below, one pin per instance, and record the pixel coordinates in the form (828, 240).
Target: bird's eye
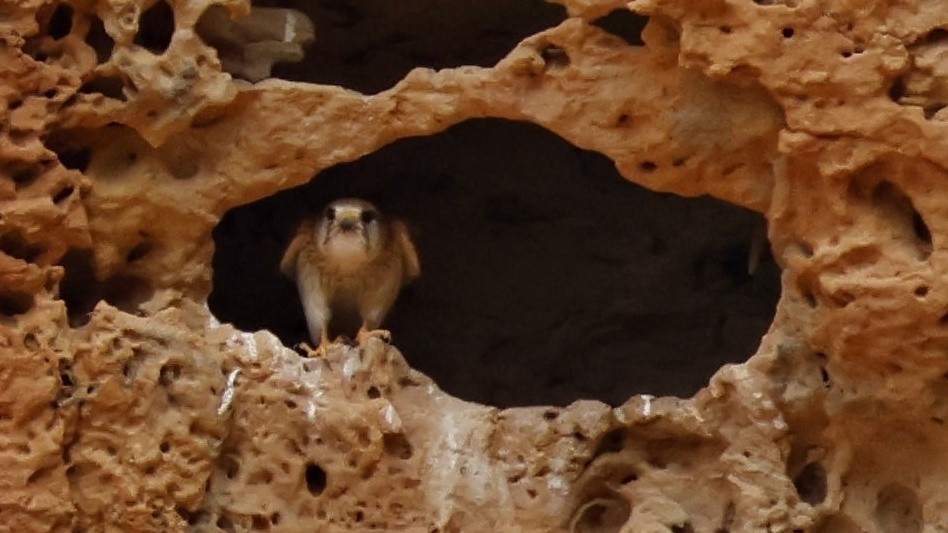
(330, 213)
(368, 216)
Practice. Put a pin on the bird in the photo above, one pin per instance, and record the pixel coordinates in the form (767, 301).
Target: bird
(349, 259)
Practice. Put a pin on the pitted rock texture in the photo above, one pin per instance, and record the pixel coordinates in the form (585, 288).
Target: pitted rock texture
(125, 405)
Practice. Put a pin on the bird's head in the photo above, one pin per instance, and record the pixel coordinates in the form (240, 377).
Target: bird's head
(351, 228)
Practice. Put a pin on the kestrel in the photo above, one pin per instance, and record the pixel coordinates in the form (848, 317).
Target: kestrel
(349, 259)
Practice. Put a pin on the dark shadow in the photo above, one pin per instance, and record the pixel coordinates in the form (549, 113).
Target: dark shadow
(546, 277)
(156, 28)
(368, 46)
(624, 24)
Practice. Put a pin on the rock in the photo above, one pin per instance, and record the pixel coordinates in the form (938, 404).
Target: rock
(126, 405)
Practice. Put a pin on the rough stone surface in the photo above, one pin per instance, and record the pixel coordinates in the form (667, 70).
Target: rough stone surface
(126, 405)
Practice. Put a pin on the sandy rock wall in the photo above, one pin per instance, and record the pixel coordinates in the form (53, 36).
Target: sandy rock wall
(124, 404)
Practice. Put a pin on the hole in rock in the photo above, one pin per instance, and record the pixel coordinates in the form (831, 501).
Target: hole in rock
(368, 46)
(81, 290)
(546, 276)
(811, 484)
(397, 445)
(156, 27)
(897, 90)
(624, 24)
(15, 245)
(63, 194)
(315, 479)
(933, 109)
(70, 153)
(898, 509)
(893, 207)
(14, 302)
(99, 40)
(225, 523)
(554, 56)
(109, 86)
(60, 24)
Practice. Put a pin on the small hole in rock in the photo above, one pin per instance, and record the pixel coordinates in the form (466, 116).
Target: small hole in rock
(164, 447)
(683, 528)
(554, 56)
(13, 302)
(898, 508)
(811, 484)
(259, 522)
(315, 479)
(60, 24)
(230, 466)
(648, 166)
(225, 523)
(99, 40)
(139, 251)
(15, 245)
(373, 392)
(611, 442)
(26, 176)
(81, 291)
(108, 86)
(787, 33)
(897, 90)
(397, 445)
(931, 110)
(624, 24)
(725, 29)
(63, 194)
(550, 415)
(156, 27)
(921, 291)
(168, 374)
(922, 233)
(65, 373)
(75, 159)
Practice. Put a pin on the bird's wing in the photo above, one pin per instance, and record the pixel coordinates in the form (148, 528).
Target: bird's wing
(288, 263)
(315, 302)
(407, 249)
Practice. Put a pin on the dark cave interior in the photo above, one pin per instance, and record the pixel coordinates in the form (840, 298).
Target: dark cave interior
(546, 276)
(368, 46)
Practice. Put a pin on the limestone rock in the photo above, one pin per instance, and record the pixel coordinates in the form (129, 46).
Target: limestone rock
(126, 405)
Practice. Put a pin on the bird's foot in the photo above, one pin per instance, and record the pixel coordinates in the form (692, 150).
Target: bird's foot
(319, 351)
(365, 334)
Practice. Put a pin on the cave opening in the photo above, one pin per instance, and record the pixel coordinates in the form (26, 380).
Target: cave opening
(369, 46)
(546, 276)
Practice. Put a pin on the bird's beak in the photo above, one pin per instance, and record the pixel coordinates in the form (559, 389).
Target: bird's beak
(348, 220)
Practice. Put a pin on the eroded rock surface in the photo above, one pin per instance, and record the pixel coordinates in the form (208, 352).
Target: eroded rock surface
(125, 405)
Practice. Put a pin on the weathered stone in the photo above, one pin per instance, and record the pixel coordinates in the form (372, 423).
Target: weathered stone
(126, 405)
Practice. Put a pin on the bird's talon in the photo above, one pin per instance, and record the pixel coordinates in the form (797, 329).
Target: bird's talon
(382, 334)
(317, 352)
